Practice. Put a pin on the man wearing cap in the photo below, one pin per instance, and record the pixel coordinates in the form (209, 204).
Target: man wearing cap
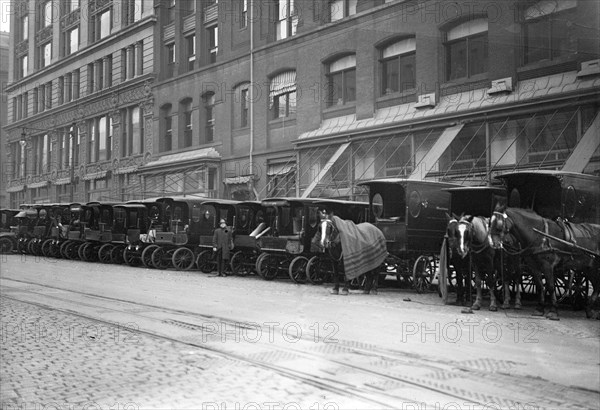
(222, 244)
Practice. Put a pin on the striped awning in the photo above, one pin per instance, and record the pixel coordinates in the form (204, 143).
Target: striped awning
(125, 170)
(243, 179)
(16, 188)
(40, 184)
(95, 175)
(283, 83)
(280, 169)
(62, 181)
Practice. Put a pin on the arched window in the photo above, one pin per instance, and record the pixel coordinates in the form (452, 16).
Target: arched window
(398, 63)
(546, 30)
(467, 49)
(282, 95)
(341, 81)
(338, 9)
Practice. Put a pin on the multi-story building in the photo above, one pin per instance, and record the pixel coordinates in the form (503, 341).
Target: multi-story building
(4, 164)
(80, 93)
(260, 98)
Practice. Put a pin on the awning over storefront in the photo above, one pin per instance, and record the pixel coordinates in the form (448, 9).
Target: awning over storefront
(244, 179)
(16, 188)
(40, 184)
(63, 181)
(95, 175)
(283, 83)
(180, 162)
(585, 149)
(125, 170)
(433, 155)
(325, 169)
(281, 169)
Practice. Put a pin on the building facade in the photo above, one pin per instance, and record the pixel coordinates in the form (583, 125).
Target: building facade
(4, 164)
(80, 100)
(248, 99)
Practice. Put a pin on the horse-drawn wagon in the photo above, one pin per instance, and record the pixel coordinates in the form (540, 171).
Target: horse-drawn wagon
(8, 226)
(249, 226)
(412, 216)
(563, 205)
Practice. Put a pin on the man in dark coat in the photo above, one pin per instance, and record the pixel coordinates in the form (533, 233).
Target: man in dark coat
(222, 244)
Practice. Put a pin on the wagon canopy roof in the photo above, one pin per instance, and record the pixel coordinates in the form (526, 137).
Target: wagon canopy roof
(287, 201)
(524, 175)
(406, 181)
(220, 202)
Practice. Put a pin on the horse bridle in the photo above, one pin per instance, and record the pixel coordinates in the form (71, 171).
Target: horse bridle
(334, 234)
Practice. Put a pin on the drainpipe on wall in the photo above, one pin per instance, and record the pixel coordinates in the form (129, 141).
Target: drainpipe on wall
(251, 98)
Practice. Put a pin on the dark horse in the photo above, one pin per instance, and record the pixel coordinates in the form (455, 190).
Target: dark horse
(543, 256)
(331, 242)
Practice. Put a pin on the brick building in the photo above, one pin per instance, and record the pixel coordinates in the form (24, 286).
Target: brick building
(245, 98)
(4, 164)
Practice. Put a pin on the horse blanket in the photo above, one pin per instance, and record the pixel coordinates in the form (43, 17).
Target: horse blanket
(363, 247)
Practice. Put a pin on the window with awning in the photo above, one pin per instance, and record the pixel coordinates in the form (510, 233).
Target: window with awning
(282, 95)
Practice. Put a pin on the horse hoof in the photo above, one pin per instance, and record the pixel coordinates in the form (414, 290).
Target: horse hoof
(493, 309)
(518, 307)
(475, 307)
(552, 316)
(505, 307)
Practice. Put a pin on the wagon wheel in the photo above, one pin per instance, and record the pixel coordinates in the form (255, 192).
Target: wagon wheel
(297, 269)
(423, 273)
(34, 247)
(86, 252)
(318, 270)
(579, 291)
(130, 257)
(147, 255)
(63, 249)
(104, 253)
(71, 251)
(116, 254)
(239, 264)
(6, 245)
(561, 285)
(183, 259)
(161, 259)
(22, 246)
(205, 261)
(47, 247)
(528, 285)
(266, 266)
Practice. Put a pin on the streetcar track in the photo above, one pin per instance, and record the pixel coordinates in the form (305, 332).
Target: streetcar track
(314, 380)
(304, 376)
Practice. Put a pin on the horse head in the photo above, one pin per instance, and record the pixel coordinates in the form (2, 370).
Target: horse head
(329, 238)
(498, 229)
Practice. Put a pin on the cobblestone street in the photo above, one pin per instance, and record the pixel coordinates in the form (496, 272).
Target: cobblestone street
(143, 338)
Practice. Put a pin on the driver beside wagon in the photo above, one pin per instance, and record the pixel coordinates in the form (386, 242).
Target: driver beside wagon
(222, 244)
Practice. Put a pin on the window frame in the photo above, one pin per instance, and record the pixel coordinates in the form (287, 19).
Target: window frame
(331, 85)
(287, 18)
(400, 57)
(467, 40)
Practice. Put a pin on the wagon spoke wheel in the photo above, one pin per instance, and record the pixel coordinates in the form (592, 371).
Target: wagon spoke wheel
(22, 246)
(116, 254)
(239, 264)
(63, 249)
(183, 259)
(6, 245)
(72, 250)
(104, 253)
(528, 285)
(579, 291)
(266, 266)
(32, 247)
(205, 261)
(317, 270)
(130, 257)
(297, 269)
(147, 255)
(423, 272)
(560, 288)
(160, 258)
(47, 248)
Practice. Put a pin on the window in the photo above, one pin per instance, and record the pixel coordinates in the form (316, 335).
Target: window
(49, 95)
(547, 30)
(105, 23)
(339, 9)
(467, 49)
(101, 24)
(100, 139)
(60, 89)
(23, 66)
(213, 43)
(46, 55)
(287, 19)
(47, 14)
(167, 128)
(398, 72)
(76, 84)
(24, 28)
(72, 40)
(282, 95)
(186, 122)
(73, 5)
(26, 104)
(35, 100)
(342, 81)
(90, 78)
(170, 59)
(187, 7)
(42, 97)
(41, 150)
(171, 11)
(132, 11)
(68, 87)
(191, 51)
(209, 119)
(243, 13)
(244, 108)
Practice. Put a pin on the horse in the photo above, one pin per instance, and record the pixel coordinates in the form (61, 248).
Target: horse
(472, 234)
(460, 264)
(543, 256)
(355, 249)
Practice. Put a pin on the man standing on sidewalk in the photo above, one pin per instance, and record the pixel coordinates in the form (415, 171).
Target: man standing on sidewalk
(222, 244)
